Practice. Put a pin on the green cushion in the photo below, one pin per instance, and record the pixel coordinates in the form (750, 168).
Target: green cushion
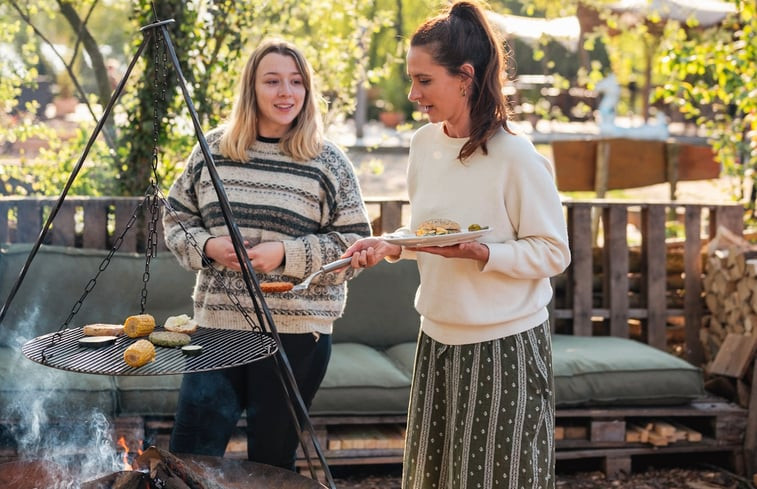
(26, 387)
(380, 310)
(403, 356)
(361, 380)
(58, 276)
(155, 395)
(607, 370)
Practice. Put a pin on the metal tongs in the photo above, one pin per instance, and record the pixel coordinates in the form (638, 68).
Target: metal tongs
(329, 267)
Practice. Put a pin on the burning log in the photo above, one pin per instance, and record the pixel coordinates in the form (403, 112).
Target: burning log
(120, 480)
(171, 471)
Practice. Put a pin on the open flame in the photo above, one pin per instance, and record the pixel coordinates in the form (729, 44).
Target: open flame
(125, 457)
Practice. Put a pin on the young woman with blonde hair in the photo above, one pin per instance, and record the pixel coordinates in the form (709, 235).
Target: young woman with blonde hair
(297, 203)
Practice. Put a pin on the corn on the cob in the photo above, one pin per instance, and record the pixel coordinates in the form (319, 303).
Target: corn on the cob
(139, 353)
(139, 325)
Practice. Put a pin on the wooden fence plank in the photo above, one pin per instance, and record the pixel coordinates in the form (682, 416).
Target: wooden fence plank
(614, 222)
(29, 222)
(94, 234)
(5, 208)
(653, 258)
(580, 270)
(124, 210)
(694, 352)
(63, 232)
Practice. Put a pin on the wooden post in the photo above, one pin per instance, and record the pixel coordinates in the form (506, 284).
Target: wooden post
(601, 175)
(672, 150)
(653, 252)
(580, 271)
(750, 439)
(615, 294)
(694, 351)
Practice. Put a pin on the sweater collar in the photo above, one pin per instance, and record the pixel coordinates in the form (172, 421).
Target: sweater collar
(264, 139)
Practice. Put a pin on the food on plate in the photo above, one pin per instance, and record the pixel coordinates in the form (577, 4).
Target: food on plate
(139, 325)
(180, 324)
(276, 286)
(169, 338)
(139, 353)
(437, 227)
(96, 341)
(477, 227)
(191, 350)
(102, 329)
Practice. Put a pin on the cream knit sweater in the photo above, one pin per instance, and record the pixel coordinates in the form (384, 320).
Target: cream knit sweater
(511, 190)
(314, 208)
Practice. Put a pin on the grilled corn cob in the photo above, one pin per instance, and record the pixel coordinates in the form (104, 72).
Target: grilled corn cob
(139, 353)
(139, 325)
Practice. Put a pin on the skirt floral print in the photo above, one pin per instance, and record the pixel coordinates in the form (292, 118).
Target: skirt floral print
(481, 415)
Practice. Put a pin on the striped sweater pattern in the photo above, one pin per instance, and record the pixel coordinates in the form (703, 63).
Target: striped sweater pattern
(314, 208)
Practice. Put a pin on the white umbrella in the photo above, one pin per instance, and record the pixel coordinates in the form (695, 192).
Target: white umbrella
(706, 12)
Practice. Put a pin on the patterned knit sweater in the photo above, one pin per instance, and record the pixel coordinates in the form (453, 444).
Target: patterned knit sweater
(314, 208)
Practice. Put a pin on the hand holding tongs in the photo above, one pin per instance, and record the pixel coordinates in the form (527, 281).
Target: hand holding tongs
(329, 267)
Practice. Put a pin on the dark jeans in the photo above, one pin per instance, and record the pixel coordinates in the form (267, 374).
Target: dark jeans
(211, 403)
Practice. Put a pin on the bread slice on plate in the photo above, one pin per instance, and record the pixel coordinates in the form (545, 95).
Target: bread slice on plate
(180, 324)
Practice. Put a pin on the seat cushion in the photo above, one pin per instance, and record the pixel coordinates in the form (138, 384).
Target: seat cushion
(361, 380)
(604, 370)
(29, 388)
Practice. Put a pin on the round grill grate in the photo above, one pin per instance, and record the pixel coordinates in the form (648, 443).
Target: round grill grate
(221, 348)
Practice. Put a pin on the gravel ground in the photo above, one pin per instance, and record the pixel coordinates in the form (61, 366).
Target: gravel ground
(388, 477)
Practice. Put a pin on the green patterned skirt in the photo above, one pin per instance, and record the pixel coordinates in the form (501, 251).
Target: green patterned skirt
(482, 415)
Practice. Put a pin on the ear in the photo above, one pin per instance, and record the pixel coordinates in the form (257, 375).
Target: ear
(467, 72)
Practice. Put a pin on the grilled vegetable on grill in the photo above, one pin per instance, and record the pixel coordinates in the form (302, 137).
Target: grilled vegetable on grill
(191, 350)
(100, 329)
(139, 353)
(169, 338)
(139, 325)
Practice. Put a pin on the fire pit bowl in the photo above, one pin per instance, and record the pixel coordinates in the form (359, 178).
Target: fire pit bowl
(235, 473)
(23, 474)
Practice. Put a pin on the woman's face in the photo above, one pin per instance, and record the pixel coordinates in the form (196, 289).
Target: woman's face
(437, 93)
(280, 94)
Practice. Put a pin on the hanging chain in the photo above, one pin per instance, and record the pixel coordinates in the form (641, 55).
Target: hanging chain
(160, 87)
(207, 263)
(93, 281)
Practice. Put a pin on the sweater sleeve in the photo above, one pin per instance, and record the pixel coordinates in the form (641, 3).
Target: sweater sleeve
(184, 217)
(540, 248)
(344, 220)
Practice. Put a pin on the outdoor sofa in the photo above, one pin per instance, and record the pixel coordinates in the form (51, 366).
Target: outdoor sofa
(368, 378)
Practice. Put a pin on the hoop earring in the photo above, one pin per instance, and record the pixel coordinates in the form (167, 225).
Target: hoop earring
(463, 92)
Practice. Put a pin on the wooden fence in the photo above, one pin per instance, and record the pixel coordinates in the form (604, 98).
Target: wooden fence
(627, 287)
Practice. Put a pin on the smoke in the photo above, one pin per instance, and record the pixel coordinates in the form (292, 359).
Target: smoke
(46, 418)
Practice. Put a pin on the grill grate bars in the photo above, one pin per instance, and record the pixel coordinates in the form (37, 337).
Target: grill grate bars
(221, 348)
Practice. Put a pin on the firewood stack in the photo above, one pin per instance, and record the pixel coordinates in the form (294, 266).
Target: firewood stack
(730, 293)
(729, 329)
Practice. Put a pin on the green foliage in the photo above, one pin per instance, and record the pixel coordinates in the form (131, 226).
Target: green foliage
(708, 76)
(212, 40)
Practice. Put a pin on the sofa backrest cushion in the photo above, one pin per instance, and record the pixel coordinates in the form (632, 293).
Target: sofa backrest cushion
(380, 310)
(57, 278)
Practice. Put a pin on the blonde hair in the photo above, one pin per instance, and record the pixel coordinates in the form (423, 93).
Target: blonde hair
(304, 140)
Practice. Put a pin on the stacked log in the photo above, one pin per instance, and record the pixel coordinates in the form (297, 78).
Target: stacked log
(730, 295)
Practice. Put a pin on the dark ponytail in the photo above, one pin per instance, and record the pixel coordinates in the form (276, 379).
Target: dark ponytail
(463, 35)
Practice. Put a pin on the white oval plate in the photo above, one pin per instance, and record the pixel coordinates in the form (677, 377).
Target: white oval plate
(442, 240)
